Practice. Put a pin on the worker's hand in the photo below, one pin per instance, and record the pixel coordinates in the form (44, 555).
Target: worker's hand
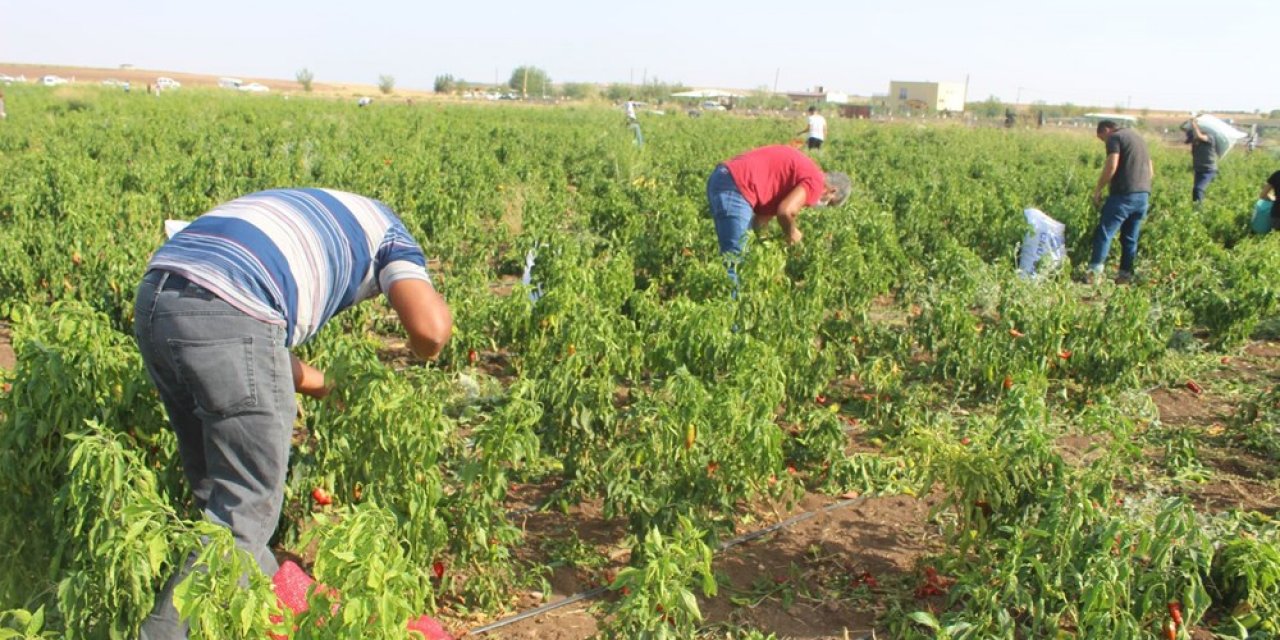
(319, 392)
(795, 236)
(1097, 199)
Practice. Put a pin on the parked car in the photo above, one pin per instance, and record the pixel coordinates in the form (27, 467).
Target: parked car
(255, 87)
(4, 79)
(712, 105)
(230, 83)
(52, 81)
(167, 83)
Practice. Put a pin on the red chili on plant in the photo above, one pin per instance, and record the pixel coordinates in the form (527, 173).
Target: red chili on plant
(437, 569)
(321, 497)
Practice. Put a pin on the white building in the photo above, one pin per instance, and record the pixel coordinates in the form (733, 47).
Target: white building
(927, 96)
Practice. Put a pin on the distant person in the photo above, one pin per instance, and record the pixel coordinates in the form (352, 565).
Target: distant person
(3, 115)
(1040, 119)
(220, 307)
(364, 101)
(817, 129)
(630, 108)
(1204, 160)
(755, 187)
(1009, 118)
(1127, 172)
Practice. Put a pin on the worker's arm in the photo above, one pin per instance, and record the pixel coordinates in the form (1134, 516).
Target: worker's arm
(789, 210)
(424, 315)
(1195, 130)
(1109, 167)
(1268, 192)
(307, 379)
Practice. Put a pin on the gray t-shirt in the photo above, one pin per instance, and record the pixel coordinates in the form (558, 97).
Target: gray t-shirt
(1134, 173)
(1204, 155)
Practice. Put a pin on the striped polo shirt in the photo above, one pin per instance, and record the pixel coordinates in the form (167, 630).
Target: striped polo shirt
(295, 257)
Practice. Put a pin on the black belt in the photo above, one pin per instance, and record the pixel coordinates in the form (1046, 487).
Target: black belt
(170, 281)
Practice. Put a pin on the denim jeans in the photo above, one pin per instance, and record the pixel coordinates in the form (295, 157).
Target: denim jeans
(227, 385)
(732, 215)
(1124, 213)
(1203, 178)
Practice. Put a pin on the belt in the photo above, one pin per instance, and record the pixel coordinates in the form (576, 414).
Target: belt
(168, 280)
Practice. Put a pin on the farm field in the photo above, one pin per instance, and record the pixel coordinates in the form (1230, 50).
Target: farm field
(969, 453)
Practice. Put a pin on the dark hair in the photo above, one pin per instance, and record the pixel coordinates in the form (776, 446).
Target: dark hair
(813, 109)
(1107, 125)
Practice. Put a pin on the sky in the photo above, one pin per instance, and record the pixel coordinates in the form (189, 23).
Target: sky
(1159, 54)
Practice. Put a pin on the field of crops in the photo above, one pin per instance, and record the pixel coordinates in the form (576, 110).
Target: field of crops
(988, 456)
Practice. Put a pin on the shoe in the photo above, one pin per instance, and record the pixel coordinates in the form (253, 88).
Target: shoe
(1124, 277)
(1091, 277)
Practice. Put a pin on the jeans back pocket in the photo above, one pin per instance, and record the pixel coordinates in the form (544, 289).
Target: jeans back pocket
(218, 373)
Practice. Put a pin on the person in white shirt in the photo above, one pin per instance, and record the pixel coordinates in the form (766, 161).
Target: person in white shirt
(817, 129)
(631, 110)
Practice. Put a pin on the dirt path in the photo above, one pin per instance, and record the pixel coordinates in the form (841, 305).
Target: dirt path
(882, 536)
(7, 358)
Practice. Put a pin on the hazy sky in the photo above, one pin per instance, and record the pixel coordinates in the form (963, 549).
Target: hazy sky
(1145, 53)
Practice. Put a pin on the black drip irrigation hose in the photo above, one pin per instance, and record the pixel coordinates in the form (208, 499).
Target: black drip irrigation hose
(598, 591)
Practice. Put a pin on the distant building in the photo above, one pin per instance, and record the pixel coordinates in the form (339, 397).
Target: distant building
(926, 96)
(818, 95)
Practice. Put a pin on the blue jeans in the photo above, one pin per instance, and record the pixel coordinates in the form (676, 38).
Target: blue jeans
(227, 385)
(1124, 213)
(732, 215)
(1203, 178)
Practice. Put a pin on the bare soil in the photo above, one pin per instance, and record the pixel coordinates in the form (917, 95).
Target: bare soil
(883, 536)
(7, 358)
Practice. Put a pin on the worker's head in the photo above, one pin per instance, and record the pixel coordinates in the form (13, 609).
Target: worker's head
(837, 190)
(813, 110)
(1106, 128)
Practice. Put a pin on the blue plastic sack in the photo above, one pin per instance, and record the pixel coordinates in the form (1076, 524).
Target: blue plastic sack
(1261, 222)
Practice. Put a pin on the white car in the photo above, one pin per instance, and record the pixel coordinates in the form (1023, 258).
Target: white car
(4, 79)
(52, 81)
(712, 105)
(255, 87)
(167, 83)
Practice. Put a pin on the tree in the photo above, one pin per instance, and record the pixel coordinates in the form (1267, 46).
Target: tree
(989, 108)
(578, 90)
(304, 78)
(530, 81)
(446, 84)
(386, 84)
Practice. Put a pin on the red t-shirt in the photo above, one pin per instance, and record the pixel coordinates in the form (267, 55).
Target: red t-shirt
(766, 175)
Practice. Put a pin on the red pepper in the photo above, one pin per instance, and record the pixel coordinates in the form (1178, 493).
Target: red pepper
(437, 568)
(1195, 388)
(1175, 612)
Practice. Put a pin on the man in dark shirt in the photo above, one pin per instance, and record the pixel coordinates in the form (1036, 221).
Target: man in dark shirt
(1127, 171)
(1204, 159)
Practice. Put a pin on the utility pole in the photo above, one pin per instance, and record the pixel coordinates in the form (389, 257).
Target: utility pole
(524, 86)
(777, 72)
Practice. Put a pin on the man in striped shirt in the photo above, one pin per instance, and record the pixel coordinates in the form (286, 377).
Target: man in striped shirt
(221, 304)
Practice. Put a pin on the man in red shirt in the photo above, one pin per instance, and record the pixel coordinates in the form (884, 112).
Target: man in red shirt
(765, 183)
